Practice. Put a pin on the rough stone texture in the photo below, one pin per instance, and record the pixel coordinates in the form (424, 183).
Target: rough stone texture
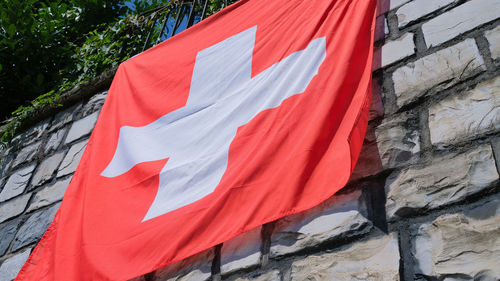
(16, 184)
(27, 153)
(46, 169)
(195, 268)
(387, 5)
(65, 117)
(397, 141)
(6, 159)
(437, 71)
(417, 9)
(493, 37)
(94, 104)
(375, 259)
(7, 232)
(243, 251)
(462, 117)
(460, 20)
(72, 159)
(394, 51)
(81, 127)
(273, 275)
(11, 267)
(49, 195)
(13, 207)
(341, 216)
(444, 181)
(461, 244)
(32, 134)
(33, 229)
(54, 140)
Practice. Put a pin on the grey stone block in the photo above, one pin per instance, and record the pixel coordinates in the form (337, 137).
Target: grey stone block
(27, 154)
(32, 134)
(437, 71)
(339, 217)
(46, 169)
(397, 141)
(387, 5)
(243, 251)
(13, 207)
(461, 244)
(17, 182)
(493, 37)
(34, 228)
(6, 160)
(65, 117)
(7, 232)
(459, 20)
(70, 162)
(81, 127)
(444, 181)
(417, 9)
(466, 116)
(194, 268)
(393, 51)
(11, 266)
(95, 103)
(273, 275)
(49, 195)
(55, 140)
(374, 259)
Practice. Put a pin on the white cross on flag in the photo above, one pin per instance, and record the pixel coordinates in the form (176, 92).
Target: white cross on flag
(256, 113)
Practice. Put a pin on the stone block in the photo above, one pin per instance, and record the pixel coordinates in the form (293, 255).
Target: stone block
(7, 232)
(437, 71)
(55, 140)
(32, 134)
(17, 182)
(398, 140)
(194, 268)
(387, 5)
(13, 207)
(465, 244)
(64, 117)
(46, 169)
(415, 10)
(459, 20)
(273, 275)
(27, 153)
(243, 251)
(94, 104)
(493, 37)
(33, 229)
(466, 116)
(374, 259)
(70, 162)
(82, 127)
(339, 217)
(393, 51)
(11, 266)
(446, 180)
(6, 160)
(49, 195)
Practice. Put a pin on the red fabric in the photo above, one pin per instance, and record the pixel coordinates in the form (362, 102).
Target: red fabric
(284, 161)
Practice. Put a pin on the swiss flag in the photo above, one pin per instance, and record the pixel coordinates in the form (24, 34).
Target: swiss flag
(256, 113)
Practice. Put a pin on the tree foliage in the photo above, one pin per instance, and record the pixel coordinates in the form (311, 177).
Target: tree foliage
(49, 46)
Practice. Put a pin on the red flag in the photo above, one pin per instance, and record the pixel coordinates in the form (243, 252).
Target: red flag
(256, 113)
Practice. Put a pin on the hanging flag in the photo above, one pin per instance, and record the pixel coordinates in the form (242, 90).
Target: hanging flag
(256, 113)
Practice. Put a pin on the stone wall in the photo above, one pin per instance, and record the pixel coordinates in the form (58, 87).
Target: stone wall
(423, 203)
